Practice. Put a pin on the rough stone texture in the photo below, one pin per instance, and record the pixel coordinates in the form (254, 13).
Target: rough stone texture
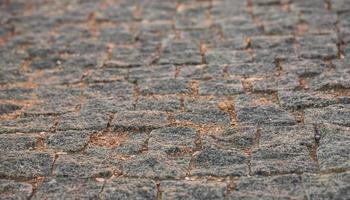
(174, 99)
(276, 187)
(14, 190)
(265, 114)
(300, 100)
(68, 140)
(17, 142)
(27, 124)
(205, 117)
(172, 140)
(222, 155)
(155, 165)
(285, 82)
(124, 188)
(139, 120)
(192, 190)
(284, 150)
(82, 166)
(25, 164)
(333, 152)
(221, 87)
(334, 114)
(68, 188)
(92, 122)
(327, 186)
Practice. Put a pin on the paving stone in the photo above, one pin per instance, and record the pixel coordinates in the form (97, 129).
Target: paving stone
(327, 186)
(158, 104)
(337, 79)
(180, 53)
(275, 187)
(284, 149)
(285, 82)
(134, 144)
(192, 190)
(139, 120)
(17, 142)
(304, 68)
(128, 58)
(253, 100)
(10, 189)
(166, 86)
(68, 140)
(109, 90)
(240, 138)
(117, 36)
(107, 75)
(333, 114)
(8, 108)
(124, 188)
(205, 117)
(195, 104)
(68, 188)
(251, 69)
(152, 72)
(220, 87)
(172, 140)
(332, 152)
(81, 166)
(300, 100)
(25, 164)
(75, 121)
(16, 93)
(105, 106)
(219, 157)
(27, 124)
(109, 93)
(264, 114)
(156, 165)
(227, 57)
(269, 42)
(201, 71)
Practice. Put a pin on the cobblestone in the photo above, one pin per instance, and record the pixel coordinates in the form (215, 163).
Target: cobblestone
(182, 99)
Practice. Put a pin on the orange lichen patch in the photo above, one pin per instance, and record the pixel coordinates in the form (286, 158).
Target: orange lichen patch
(108, 139)
(302, 28)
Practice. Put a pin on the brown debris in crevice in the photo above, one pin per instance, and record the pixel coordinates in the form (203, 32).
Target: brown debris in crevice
(229, 107)
(299, 116)
(108, 139)
(195, 88)
(302, 28)
(36, 183)
(313, 149)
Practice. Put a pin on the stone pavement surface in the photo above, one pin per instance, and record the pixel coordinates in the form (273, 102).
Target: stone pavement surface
(166, 99)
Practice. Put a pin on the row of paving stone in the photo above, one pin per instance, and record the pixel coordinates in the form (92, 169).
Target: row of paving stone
(163, 99)
(176, 152)
(327, 186)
